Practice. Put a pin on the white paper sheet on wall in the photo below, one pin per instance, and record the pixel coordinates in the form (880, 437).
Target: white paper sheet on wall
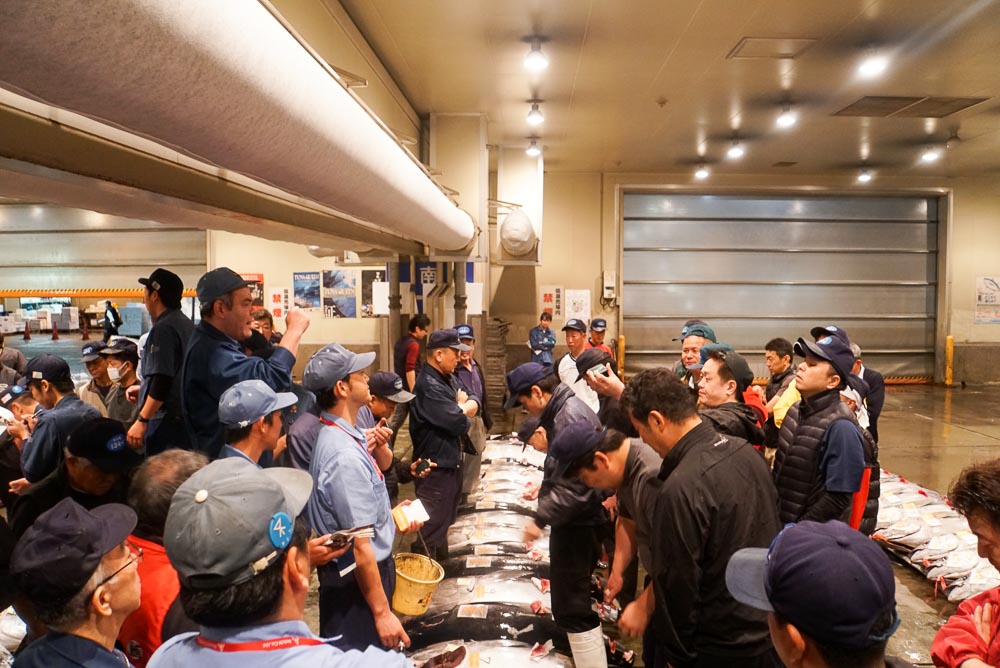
(578, 304)
(380, 298)
(474, 298)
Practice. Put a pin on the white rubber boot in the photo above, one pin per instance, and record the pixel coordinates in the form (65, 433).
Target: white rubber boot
(588, 649)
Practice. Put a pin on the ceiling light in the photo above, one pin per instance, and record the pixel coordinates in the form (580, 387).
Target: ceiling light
(930, 154)
(735, 151)
(702, 172)
(535, 60)
(864, 176)
(533, 150)
(535, 116)
(787, 118)
(874, 65)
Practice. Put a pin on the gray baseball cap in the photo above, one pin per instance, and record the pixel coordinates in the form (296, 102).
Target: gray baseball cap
(332, 363)
(248, 401)
(231, 520)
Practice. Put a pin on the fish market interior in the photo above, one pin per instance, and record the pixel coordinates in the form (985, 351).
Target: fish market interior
(464, 333)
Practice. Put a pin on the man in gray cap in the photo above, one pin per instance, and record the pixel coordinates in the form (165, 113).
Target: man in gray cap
(215, 359)
(355, 590)
(77, 572)
(236, 537)
(251, 414)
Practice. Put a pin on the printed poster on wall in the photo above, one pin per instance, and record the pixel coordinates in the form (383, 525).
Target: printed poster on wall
(578, 304)
(278, 301)
(256, 285)
(988, 300)
(339, 293)
(305, 285)
(550, 297)
(369, 277)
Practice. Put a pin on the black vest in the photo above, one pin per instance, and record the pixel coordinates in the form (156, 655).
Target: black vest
(800, 446)
(399, 359)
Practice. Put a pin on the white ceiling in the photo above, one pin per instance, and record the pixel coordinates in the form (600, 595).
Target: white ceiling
(646, 85)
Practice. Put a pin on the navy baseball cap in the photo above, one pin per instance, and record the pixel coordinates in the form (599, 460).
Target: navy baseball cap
(167, 283)
(56, 556)
(333, 363)
(101, 441)
(218, 283)
(527, 429)
(572, 442)
(389, 385)
(465, 332)
(47, 367)
(12, 393)
(120, 346)
(576, 325)
(832, 582)
(830, 330)
(249, 400)
(446, 338)
(91, 350)
(590, 358)
(523, 377)
(832, 349)
(696, 328)
(599, 324)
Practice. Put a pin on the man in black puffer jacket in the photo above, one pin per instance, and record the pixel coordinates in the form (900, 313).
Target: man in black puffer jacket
(725, 376)
(575, 512)
(825, 467)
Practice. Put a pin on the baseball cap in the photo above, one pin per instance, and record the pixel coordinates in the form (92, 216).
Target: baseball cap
(332, 363)
(599, 324)
(120, 346)
(696, 328)
(832, 582)
(47, 367)
(389, 385)
(572, 442)
(830, 330)
(12, 393)
(465, 332)
(101, 441)
(832, 349)
(91, 350)
(590, 358)
(217, 283)
(249, 400)
(230, 520)
(445, 338)
(523, 377)
(575, 325)
(59, 552)
(527, 428)
(736, 363)
(167, 283)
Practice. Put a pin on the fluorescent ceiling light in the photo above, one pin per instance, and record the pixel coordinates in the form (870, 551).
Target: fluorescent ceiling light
(736, 151)
(930, 154)
(864, 176)
(874, 65)
(702, 172)
(535, 60)
(787, 118)
(533, 150)
(535, 116)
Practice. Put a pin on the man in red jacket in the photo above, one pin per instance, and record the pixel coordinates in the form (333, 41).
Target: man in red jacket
(971, 638)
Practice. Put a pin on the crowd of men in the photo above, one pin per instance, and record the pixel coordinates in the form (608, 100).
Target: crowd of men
(170, 511)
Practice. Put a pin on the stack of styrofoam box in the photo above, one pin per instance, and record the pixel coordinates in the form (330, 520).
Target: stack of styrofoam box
(7, 324)
(68, 319)
(135, 319)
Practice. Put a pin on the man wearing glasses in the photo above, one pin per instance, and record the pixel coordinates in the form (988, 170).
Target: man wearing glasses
(77, 573)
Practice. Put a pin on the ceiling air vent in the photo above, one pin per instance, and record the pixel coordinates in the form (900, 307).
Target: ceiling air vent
(877, 106)
(784, 163)
(770, 47)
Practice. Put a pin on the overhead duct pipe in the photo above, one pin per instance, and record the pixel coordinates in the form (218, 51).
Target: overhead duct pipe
(227, 83)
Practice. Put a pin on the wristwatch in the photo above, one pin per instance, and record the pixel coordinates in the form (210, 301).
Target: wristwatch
(142, 420)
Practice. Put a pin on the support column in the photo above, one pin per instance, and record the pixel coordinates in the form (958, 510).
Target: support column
(460, 293)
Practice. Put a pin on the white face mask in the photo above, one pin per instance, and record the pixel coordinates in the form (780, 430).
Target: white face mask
(115, 373)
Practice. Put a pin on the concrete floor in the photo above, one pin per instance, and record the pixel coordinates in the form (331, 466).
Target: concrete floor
(928, 435)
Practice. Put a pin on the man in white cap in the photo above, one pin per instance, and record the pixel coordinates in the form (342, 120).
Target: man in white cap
(251, 413)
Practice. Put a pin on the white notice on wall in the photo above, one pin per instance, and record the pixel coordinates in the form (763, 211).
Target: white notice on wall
(988, 300)
(578, 304)
(474, 298)
(380, 298)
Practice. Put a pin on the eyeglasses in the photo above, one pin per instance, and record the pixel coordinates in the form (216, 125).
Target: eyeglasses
(136, 553)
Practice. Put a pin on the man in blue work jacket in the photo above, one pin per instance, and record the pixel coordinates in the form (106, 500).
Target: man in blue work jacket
(215, 360)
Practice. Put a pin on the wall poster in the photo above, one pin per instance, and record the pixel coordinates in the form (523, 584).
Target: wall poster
(988, 300)
(339, 292)
(306, 288)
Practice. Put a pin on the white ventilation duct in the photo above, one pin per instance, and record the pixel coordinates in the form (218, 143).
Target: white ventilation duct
(224, 81)
(517, 234)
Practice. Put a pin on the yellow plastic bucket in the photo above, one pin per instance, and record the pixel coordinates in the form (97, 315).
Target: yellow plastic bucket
(417, 578)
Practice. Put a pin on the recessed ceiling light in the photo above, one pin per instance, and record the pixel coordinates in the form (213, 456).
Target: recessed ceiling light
(702, 172)
(930, 154)
(535, 60)
(874, 65)
(535, 116)
(533, 150)
(864, 176)
(787, 118)
(736, 151)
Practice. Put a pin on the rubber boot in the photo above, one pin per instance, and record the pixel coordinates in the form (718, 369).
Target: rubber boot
(588, 649)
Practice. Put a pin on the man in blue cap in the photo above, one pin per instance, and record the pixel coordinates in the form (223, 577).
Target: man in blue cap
(469, 375)
(122, 361)
(439, 426)
(826, 466)
(96, 391)
(251, 413)
(575, 331)
(598, 330)
(829, 593)
(356, 589)
(215, 359)
(78, 573)
(694, 334)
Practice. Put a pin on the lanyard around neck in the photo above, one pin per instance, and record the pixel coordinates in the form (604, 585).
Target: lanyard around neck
(331, 423)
